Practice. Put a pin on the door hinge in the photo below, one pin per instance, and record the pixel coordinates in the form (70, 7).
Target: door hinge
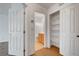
(24, 13)
(24, 31)
(24, 50)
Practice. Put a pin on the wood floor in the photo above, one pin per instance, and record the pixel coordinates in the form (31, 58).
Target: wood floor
(40, 51)
(53, 51)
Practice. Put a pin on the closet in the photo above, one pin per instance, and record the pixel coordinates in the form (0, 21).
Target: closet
(55, 28)
(64, 29)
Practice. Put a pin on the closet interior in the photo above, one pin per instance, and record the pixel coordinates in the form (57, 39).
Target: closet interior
(55, 29)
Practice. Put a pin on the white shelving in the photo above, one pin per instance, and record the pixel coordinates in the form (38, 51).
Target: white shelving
(55, 29)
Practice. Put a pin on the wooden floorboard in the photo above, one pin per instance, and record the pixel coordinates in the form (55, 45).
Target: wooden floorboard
(53, 51)
(40, 51)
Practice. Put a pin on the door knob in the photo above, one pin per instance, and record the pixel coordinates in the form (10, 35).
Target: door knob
(77, 35)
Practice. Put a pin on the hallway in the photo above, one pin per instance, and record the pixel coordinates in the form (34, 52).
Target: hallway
(32, 28)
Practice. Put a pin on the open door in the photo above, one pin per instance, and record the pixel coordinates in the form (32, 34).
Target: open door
(16, 28)
(69, 29)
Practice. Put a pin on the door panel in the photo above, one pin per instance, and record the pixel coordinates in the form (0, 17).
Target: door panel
(69, 24)
(16, 28)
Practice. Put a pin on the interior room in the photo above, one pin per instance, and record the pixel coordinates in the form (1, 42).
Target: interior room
(39, 29)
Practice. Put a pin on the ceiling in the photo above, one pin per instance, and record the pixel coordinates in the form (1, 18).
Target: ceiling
(39, 18)
(46, 5)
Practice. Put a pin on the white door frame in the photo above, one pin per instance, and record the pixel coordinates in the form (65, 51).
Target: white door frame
(48, 31)
(24, 28)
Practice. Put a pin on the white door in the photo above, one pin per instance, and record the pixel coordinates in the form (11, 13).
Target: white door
(69, 30)
(16, 28)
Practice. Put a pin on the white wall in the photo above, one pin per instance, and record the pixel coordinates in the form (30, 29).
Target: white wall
(30, 10)
(56, 7)
(3, 27)
(4, 21)
(53, 8)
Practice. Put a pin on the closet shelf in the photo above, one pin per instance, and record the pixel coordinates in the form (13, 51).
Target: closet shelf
(55, 37)
(55, 28)
(56, 24)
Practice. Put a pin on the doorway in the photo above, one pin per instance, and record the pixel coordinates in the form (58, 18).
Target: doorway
(55, 29)
(39, 30)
